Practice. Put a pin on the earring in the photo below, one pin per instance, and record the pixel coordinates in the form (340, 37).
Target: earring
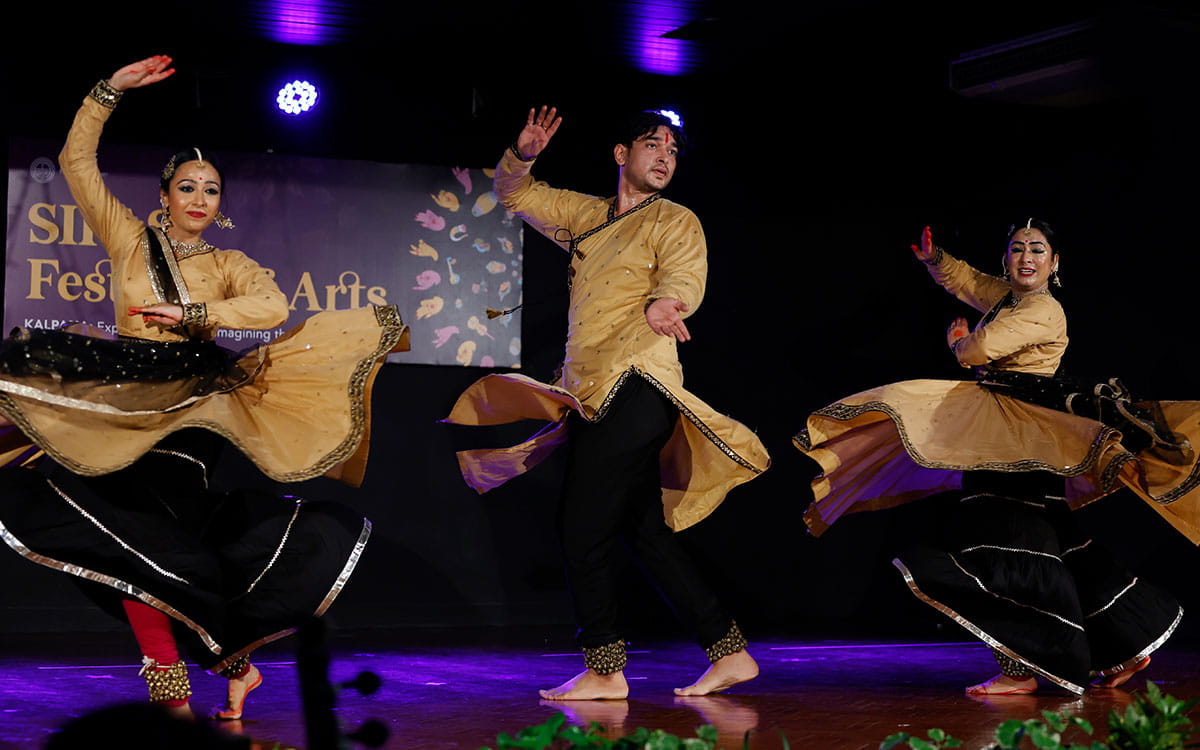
(1054, 277)
(164, 218)
(223, 221)
(1003, 269)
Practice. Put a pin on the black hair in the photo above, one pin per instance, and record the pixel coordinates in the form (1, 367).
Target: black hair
(186, 155)
(641, 124)
(1037, 224)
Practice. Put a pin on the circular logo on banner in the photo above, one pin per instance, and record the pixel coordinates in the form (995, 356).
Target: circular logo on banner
(42, 169)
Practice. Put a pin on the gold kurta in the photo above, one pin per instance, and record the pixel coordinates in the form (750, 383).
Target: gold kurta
(304, 413)
(618, 264)
(904, 441)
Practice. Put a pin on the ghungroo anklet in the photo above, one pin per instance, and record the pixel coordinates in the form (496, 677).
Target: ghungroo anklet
(606, 659)
(166, 684)
(730, 643)
(236, 668)
(1010, 667)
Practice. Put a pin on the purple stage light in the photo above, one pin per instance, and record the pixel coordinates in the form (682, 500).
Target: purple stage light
(307, 22)
(297, 97)
(647, 21)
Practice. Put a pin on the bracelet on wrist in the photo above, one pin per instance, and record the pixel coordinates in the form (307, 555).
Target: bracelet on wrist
(105, 95)
(935, 258)
(517, 153)
(194, 314)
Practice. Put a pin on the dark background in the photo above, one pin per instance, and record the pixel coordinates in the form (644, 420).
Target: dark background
(824, 137)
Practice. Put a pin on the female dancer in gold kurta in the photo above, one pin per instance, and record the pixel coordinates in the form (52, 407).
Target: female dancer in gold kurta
(1014, 570)
(125, 504)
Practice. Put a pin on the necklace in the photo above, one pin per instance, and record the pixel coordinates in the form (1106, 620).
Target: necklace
(186, 249)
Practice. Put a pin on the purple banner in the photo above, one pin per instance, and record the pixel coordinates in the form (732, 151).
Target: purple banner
(338, 235)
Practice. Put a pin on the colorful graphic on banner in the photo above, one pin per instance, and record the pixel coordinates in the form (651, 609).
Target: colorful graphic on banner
(338, 235)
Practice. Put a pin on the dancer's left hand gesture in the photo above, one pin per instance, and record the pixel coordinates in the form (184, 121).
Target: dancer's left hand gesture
(665, 317)
(142, 73)
(162, 312)
(957, 331)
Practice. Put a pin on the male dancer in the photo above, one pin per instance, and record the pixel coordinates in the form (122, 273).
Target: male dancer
(641, 449)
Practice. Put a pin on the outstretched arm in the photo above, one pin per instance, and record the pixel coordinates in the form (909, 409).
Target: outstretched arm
(113, 223)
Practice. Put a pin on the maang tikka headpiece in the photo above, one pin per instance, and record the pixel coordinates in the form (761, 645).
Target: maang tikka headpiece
(169, 170)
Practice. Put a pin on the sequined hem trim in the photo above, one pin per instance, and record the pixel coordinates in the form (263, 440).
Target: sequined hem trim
(1183, 488)
(17, 416)
(347, 569)
(185, 457)
(1076, 548)
(607, 659)
(279, 547)
(1154, 646)
(732, 642)
(392, 331)
(1012, 549)
(1113, 601)
(338, 585)
(984, 588)
(971, 628)
(683, 409)
(846, 412)
(388, 316)
(120, 542)
(125, 588)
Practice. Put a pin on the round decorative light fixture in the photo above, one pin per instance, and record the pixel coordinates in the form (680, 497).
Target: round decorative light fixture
(297, 97)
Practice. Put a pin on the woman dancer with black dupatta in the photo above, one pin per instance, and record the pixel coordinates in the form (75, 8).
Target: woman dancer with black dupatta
(127, 430)
(1025, 445)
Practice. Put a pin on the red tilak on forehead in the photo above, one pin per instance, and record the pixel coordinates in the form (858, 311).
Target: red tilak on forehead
(668, 136)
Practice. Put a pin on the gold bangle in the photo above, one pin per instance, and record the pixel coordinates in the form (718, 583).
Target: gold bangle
(195, 314)
(105, 95)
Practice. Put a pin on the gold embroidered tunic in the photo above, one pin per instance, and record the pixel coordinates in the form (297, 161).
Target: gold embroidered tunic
(618, 264)
(303, 413)
(908, 440)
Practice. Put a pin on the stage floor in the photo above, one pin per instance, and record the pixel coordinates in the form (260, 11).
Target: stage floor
(459, 689)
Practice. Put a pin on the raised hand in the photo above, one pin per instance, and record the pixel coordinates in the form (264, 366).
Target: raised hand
(664, 316)
(957, 331)
(926, 249)
(142, 73)
(539, 128)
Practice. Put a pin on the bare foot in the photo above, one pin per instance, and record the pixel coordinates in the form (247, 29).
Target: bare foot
(723, 674)
(1001, 685)
(239, 688)
(1122, 677)
(589, 686)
